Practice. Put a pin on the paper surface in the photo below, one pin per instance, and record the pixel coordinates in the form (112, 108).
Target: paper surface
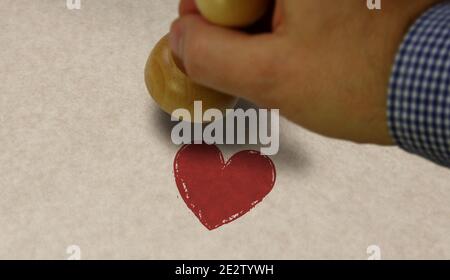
(86, 159)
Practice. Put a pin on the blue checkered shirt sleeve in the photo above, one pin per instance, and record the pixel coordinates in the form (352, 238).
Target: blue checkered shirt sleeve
(419, 90)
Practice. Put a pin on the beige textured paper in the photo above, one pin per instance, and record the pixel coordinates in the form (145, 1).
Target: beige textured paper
(86, 159)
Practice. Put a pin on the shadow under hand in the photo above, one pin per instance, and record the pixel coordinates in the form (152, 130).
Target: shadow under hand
(290, 154)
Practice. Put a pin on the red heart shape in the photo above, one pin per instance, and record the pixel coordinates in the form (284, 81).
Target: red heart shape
(219, 192)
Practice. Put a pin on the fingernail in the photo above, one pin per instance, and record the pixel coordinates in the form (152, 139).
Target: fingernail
(176, 39)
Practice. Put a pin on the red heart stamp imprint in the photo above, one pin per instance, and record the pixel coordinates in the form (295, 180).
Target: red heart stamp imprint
(219, 192)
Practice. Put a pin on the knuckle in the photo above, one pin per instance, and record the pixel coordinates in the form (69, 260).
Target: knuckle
(193, 50)
(267, 69)
(192, 60)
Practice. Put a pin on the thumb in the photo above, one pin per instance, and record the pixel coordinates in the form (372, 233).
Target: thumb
(223, 59)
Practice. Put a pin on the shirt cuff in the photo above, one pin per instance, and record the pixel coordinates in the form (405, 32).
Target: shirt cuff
(419, 89)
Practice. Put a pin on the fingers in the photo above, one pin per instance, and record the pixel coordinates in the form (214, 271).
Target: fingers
(277, 20)
(223, 59)
(187, 7)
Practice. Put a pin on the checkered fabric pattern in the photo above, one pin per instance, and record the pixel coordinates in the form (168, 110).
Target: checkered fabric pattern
(419, 91)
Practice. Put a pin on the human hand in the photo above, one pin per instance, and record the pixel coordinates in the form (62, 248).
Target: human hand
(325, 65)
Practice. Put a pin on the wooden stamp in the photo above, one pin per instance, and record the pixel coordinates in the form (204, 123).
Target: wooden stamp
(170, 87)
